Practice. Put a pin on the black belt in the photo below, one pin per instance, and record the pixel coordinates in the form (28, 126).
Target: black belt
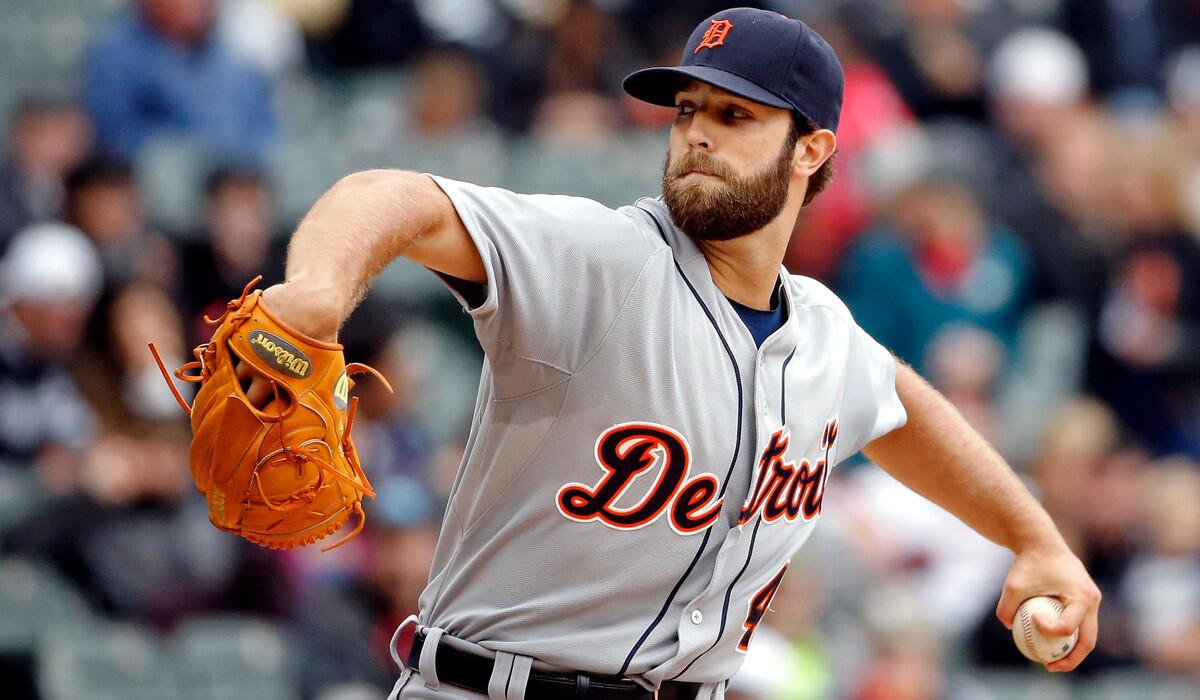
(473, 671)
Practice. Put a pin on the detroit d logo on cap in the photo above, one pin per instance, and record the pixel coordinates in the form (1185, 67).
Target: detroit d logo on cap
(715, 36)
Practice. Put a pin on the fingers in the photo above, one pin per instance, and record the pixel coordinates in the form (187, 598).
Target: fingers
(1087, 642)
(257, 389)
(1070, 620)
(259, 392)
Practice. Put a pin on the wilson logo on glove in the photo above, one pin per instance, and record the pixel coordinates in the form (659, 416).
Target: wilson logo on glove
(286, 356)
(285, 474)
(341, 392)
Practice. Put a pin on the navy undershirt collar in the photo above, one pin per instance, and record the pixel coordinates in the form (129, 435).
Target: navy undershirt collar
(762, 324)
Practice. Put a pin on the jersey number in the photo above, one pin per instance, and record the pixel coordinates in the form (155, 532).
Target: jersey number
(759, 605)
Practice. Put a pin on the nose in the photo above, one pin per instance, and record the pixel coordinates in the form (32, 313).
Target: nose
(697, 134)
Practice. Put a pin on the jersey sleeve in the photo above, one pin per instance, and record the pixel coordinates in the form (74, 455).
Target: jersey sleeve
(870, 407)
(559, 270)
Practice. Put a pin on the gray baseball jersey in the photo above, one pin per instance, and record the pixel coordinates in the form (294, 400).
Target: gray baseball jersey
(638, 474)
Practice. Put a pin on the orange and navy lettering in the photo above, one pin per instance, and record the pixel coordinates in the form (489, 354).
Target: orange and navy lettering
(784, 489)
(628, 450)
(760, 603)
(715, 35)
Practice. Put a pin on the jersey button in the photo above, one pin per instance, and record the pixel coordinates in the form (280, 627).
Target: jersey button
(697, 617)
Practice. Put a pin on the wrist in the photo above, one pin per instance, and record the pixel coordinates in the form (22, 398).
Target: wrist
(308, 307)
(1042, 537)
(325, 294)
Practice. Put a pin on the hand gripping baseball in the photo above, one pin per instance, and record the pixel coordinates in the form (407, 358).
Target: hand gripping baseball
(1058, 573)
(285, 474)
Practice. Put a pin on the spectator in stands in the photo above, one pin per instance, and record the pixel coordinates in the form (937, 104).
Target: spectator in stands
(934, 51)
(47, 137)
(1183, 95)
(441, 125)
(1076, 441)
(1091, 478)
(908, 659)
(138, 543)
(1147, 364)
(1162, 588)
(136, 538)
(1038, 96)
(389, 432)
(103, 200)
(940, 263)
(872, 110)
(1127, 43)
(161, 71)
(345, 629)
(49, 280)
(118, 374)
(239, 241)
(356, 33)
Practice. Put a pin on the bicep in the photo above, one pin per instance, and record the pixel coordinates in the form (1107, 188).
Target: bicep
(443, 243)
(933, 432)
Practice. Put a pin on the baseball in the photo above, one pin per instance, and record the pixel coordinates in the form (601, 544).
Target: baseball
(1032, 643)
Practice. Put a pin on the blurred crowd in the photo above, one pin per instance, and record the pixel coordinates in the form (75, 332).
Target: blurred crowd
(1016, 213)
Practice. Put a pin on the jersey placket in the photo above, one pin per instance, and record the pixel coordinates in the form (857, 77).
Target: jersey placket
(710, 617)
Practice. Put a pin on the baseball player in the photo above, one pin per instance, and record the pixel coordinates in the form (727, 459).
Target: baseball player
(661, 402)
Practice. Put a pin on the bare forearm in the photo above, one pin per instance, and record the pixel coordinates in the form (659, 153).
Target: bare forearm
(938, 455)
(353, 231)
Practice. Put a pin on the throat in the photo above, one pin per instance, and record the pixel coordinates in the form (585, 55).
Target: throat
(747, 269)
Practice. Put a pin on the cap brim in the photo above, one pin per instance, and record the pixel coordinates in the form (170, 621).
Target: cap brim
(659, 85)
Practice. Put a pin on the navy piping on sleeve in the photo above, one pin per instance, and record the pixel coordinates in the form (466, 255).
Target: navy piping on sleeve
(737, 375)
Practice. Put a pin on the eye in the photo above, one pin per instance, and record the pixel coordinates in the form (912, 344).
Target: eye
(735, 113)
(685, 108)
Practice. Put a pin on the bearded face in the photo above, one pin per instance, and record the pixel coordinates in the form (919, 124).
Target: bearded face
(720, 204)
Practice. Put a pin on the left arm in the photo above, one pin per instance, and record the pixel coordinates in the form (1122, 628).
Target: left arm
(938, 455)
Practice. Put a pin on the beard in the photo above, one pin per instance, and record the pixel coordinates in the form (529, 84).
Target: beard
(733, 207)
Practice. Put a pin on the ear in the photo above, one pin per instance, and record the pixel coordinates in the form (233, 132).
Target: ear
(812, 151)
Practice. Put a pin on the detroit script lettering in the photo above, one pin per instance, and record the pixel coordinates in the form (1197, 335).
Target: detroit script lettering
(691, 503)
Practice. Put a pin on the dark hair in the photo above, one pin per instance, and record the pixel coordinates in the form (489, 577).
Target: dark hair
(803, 126)
(233, 174)
(98, 170)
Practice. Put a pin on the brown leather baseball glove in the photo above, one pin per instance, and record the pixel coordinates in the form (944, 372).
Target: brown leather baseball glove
(284, 475)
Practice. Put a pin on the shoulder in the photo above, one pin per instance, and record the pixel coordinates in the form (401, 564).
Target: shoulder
(550, 204)
(808, 293)
(568, 217)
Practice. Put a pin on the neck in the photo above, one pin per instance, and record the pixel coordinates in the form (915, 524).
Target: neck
(746, 269)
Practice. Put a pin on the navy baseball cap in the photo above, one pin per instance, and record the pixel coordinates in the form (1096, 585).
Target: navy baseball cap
(757, 54)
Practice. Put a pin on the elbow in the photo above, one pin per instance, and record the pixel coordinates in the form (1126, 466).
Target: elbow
(419, 194)
(370, 179)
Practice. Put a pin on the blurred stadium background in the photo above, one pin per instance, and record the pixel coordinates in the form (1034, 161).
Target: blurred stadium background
(1016, 213)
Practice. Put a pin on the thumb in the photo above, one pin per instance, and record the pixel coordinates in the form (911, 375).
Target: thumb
(1067, 623)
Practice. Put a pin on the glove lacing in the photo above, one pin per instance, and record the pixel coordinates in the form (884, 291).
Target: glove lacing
(205, 353)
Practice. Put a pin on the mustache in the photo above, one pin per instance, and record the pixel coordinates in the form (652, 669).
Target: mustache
(694, 161)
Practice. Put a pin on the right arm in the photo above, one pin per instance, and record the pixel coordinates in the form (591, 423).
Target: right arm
(353, 231)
